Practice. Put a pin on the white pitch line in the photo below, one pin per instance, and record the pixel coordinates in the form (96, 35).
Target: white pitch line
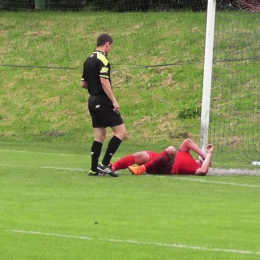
(225, 250)
(29, 152)
(15, 166)
(20, 151)
(46, 167)
(198, 179)
(64, 169)
(220, 182)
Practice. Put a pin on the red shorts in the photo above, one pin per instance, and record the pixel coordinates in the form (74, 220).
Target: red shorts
(158, 170)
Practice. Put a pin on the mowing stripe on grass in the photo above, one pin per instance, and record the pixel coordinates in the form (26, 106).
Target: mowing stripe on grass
(235, 251)
(148, 175)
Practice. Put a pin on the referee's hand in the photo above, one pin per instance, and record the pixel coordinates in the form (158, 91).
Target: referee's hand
(116, 107)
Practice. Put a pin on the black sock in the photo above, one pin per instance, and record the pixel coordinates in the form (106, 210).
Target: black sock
(95, 153)
(111, 149)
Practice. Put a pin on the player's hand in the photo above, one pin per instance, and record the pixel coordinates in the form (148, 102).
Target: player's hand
(209, 148)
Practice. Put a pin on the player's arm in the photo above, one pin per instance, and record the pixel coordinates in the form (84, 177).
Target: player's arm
(188, 145)
(203, 170)
(108, 90)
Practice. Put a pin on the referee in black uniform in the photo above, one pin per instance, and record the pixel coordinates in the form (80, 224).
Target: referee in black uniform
(102, 106)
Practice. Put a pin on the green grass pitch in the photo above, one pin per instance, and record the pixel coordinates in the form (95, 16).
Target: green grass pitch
(51, 209)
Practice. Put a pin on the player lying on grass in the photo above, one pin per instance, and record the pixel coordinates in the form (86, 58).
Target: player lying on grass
(169, 161)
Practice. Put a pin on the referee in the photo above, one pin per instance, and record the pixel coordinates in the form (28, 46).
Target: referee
(102, 106)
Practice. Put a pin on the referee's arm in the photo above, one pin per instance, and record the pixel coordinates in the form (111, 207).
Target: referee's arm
(83, 84)
(108, 90)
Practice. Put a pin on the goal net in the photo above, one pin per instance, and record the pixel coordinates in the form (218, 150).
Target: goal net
(235, 93)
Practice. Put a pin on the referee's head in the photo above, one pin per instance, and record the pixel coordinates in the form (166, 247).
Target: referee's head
(103, 39)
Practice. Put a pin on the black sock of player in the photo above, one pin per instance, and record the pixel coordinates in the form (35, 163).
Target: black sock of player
(111, 149)
(95, 153)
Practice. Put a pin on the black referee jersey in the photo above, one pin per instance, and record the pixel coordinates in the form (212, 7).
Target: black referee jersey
(95, 66)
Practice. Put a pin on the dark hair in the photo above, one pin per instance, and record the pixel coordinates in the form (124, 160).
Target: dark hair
(103, 38)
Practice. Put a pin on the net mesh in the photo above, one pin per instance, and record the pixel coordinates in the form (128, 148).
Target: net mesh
(235, 110)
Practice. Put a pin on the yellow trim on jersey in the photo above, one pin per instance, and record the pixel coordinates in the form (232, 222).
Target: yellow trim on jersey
(103, 58)
(104, 70)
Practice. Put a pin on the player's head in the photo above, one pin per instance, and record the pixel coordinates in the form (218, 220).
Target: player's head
(103, 39)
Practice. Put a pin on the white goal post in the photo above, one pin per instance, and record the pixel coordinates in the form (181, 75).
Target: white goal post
(207, 76)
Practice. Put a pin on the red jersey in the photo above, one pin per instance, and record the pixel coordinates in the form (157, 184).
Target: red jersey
(184, 164)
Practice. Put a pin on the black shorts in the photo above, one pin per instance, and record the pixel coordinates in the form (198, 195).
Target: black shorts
(102, 113)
